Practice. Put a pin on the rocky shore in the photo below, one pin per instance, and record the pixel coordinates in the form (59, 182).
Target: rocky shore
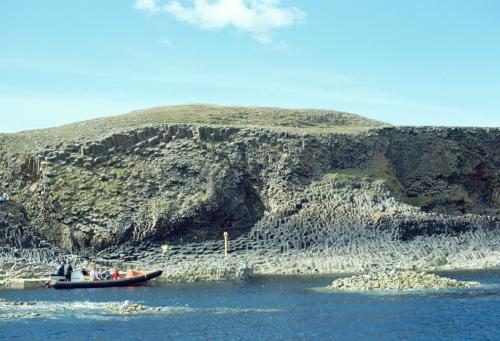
(393, 280)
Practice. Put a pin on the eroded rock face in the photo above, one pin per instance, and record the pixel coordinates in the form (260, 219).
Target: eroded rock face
(175, 182)
(25, 265)
(275, 192)
(211, 270)
(15, 228)
(447, 170)
(393, 280)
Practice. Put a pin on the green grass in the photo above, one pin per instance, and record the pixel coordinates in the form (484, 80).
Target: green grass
(452, 196)
(378, 170)
(247, 116)
(297, 120)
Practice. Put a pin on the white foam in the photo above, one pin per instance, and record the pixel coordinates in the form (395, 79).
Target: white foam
(100, 310)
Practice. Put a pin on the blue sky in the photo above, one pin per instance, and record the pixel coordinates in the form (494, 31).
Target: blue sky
(404, 62)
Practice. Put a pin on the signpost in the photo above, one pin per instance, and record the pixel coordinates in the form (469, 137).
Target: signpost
(225, 244)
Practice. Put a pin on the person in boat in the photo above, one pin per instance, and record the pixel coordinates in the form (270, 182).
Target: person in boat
(68, 269)
(94, 275)
(105, 274)
(85, 274)
(60, 269)
(116, 274)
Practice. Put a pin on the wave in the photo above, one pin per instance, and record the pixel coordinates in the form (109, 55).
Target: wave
(105, 310)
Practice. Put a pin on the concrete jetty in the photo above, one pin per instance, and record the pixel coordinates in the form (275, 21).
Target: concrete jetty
(26, 283)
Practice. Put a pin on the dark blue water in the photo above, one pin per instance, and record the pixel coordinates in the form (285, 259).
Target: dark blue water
(271, 308)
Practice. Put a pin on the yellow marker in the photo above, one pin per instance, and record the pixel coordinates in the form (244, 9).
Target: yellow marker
(225, 244)
(164, 248)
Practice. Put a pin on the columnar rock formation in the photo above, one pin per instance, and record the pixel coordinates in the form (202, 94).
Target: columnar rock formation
(277, 192)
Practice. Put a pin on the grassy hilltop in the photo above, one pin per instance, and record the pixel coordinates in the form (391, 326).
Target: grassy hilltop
(308, 120)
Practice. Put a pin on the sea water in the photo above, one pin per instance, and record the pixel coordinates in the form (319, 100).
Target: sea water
(262, 308)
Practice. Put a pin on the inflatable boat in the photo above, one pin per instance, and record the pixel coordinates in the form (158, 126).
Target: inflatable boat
(78, 281)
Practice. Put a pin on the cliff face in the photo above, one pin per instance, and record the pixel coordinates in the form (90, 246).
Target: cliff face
(272, 190)
(172, 182)
(447, 170)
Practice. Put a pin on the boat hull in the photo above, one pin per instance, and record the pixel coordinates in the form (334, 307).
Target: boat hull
(122, 282)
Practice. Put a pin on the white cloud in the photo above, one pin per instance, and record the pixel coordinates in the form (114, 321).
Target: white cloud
(257, 17)
(146, 5)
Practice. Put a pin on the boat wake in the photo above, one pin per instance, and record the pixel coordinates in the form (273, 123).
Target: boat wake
(104, 310)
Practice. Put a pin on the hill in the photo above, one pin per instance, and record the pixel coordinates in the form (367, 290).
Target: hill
(305, 120)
